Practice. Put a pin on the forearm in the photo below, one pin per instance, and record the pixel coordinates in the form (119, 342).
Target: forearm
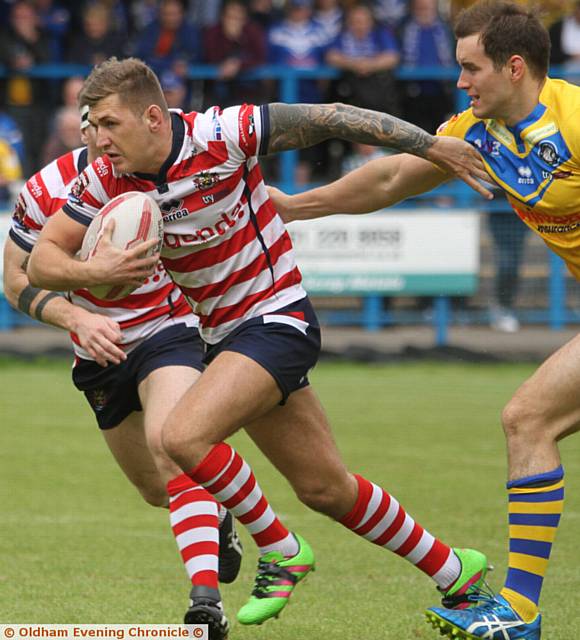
(46, 306)
(362, 191)
(378, 184)
(303, 125)
(385, 61)
(51, 267)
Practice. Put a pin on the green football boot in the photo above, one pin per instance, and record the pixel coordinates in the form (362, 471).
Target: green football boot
(470, 584)
(275, 581)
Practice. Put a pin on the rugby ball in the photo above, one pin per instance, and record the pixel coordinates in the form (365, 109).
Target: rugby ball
(137, 218)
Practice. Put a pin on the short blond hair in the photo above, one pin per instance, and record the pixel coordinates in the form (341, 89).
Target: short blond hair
(131, 79)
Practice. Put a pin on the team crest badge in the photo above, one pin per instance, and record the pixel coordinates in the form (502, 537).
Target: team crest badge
(98, 399)
(205, 180)
(548, 152)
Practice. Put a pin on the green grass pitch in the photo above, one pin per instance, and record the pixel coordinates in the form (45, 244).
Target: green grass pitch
(77, 545)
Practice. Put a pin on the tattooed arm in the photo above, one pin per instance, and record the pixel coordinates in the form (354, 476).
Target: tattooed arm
(96, 333)
(295, 126)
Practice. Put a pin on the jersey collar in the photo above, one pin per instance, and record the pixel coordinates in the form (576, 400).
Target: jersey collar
(178, 134)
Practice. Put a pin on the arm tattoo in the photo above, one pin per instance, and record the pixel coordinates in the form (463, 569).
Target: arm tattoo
(26, 298)
(295, 126)
(40, 306)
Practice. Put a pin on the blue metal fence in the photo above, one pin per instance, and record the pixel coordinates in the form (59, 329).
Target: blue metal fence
(371, 315)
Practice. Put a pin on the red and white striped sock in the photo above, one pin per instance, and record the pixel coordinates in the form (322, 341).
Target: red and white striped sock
(379, 518)
(229, 479)
(193, 515)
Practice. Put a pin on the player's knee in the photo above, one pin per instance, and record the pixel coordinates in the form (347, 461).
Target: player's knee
(182, 446)
(326, 498)
(154, 496)
(519, 419)
(172, 440)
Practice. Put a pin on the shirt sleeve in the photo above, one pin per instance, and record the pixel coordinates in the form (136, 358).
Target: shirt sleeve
(244, 130)
(457, 126)
(90, 192)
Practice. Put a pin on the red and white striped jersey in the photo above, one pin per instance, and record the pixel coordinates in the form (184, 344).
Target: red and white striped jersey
(156, 305)
(225, 245)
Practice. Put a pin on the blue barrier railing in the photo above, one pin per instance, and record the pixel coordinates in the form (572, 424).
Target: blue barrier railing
(371, 317)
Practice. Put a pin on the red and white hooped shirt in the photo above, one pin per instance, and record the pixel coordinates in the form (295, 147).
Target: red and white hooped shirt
(225, 245)
(156, 305)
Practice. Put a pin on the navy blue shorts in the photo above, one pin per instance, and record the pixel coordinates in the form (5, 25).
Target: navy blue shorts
(285, 342)
(112, 391)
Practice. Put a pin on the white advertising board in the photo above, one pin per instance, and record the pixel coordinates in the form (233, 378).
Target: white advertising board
(417, 251)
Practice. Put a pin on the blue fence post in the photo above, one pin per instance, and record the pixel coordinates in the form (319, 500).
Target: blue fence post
(372, 307)
(441, 320)
(288, 159)
(557, 293)
(6, 314)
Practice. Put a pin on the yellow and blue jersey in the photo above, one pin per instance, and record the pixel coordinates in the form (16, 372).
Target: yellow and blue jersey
(537, 163)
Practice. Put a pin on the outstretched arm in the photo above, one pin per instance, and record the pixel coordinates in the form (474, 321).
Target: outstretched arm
(378, 184)
(96, 333)
(295, 126)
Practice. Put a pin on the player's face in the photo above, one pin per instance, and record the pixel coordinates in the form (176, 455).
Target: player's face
(121, 134)
(490, 90)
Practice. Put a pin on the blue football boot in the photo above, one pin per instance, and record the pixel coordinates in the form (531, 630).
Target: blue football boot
(494, 619)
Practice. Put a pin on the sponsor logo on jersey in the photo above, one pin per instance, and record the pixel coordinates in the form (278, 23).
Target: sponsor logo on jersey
(525, 174)
(491, 147)
(173, 210)
(35, 188)
(217, 127)
(101, 167)
(226, 221)
(561, 175)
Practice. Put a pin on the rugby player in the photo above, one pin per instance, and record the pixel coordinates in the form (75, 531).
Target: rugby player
(153, 346)
(229, 252)
(525, 125)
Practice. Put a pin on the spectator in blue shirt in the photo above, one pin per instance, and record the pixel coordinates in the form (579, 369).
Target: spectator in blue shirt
(169, 42)
(329, 17)
(298, 42)
(367, 54)
(55, 21)
(426, 41)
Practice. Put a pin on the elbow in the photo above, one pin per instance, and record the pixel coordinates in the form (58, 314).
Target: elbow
(10, 294)
(34, 277)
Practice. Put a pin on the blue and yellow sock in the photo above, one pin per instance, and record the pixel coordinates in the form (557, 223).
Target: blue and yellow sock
(535, 507)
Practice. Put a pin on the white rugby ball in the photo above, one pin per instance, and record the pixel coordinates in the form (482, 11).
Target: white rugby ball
(137, 218)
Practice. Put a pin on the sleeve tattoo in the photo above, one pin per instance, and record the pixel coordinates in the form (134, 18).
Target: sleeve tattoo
(295, 126)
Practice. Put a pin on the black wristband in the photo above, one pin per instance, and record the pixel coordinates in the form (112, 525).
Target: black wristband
(40, 306)
(26, 298)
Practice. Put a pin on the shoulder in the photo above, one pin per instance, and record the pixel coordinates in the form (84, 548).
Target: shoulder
(563, 101)
(458, 125)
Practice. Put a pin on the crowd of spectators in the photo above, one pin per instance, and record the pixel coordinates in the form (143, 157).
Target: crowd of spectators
(365, 41)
